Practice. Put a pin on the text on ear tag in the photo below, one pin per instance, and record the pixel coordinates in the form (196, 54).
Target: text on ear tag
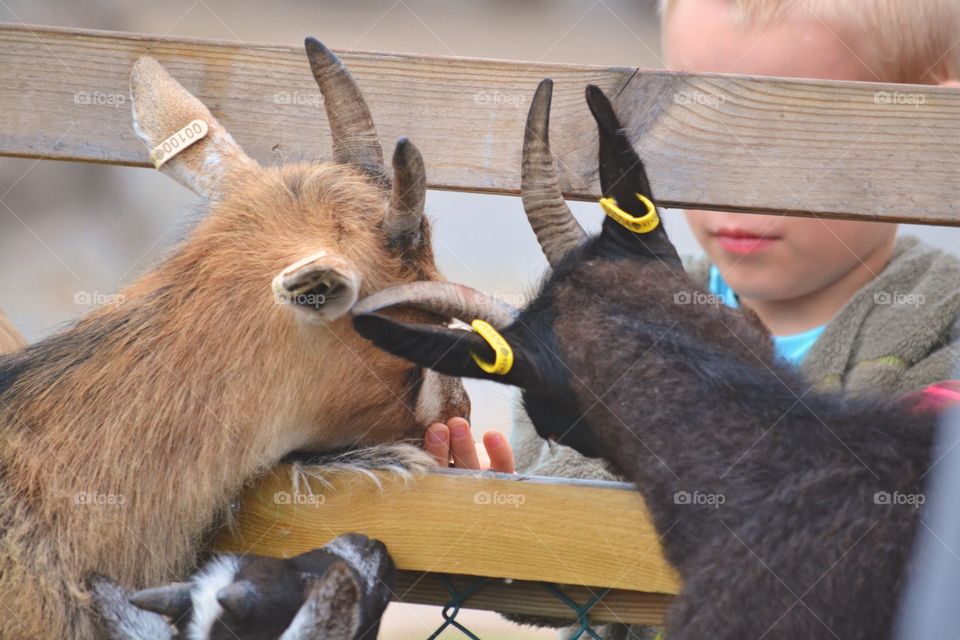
(193, 132)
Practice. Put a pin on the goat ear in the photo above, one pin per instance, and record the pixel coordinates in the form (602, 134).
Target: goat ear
(622, 177)
(164, 114)
(449, 351)
(439, 348)
(332, 608)
(322, 287)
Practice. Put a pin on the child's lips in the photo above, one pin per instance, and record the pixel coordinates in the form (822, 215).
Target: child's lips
(744, 243)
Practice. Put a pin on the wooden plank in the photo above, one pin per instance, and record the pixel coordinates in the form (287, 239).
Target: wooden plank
(532, 599)
(803, 147)
(491, 525)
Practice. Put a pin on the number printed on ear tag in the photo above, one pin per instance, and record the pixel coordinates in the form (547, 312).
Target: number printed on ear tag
(193, 132)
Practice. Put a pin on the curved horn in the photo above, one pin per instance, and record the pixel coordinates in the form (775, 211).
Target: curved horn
(173, 600)
(354, 136)
(443, 298)
(557, 230)
(405, 213)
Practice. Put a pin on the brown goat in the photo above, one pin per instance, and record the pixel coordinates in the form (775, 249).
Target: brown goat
(126, 436)
(789, 513)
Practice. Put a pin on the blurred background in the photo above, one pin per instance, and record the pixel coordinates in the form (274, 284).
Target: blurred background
(72, 234)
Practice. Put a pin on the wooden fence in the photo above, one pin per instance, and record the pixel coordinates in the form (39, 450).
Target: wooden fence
(801, 147)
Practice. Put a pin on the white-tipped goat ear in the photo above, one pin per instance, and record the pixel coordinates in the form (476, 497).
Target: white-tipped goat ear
(333, 607)
(183, 138)
(322, 287)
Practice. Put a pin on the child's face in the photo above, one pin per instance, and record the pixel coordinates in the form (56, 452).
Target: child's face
(797, 256)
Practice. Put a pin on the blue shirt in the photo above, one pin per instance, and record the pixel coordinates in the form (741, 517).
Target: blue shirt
(792, 348)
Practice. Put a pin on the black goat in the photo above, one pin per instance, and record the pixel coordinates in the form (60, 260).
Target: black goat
(789, 513)
(337, 592)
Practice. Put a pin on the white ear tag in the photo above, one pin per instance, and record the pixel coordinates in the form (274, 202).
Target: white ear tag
(193, 132)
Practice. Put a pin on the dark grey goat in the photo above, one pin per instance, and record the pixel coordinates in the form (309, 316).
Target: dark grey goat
(789, 513)
(337, 592)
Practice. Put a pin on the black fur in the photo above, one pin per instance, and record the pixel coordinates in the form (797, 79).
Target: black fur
(788, 512)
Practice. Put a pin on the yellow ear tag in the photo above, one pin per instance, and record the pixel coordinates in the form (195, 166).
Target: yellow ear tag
(643, 224)
(504, 360)
(193, 132)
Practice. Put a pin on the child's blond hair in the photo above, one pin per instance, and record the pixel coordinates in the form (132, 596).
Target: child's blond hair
(912, 41)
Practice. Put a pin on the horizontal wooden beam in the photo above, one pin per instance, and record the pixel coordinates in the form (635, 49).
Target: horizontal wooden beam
(571, 532)
(802, 147)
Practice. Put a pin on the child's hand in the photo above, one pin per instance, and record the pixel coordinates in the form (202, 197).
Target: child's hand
(454, 440)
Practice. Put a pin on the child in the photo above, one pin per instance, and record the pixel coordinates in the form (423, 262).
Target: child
(857, 310)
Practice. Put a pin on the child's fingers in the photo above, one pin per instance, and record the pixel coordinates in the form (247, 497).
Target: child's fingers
(501, 455)
(482, 456)
(436, 442)
(462, 446)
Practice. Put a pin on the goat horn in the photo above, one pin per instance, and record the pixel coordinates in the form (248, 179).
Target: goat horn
(443, 298)
(557, 230)
(405, 212)
(173, 600)
(239, 598)
(355, 139)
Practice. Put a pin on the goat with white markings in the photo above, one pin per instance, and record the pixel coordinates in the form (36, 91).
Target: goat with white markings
(337, 592)
(789, 513)
(126, 436)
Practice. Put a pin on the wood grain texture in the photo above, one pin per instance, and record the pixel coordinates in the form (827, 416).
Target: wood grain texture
(531, 599)
(802, 147)
(491, 525)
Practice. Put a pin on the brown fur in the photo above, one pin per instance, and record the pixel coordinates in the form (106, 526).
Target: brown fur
(190, 387)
